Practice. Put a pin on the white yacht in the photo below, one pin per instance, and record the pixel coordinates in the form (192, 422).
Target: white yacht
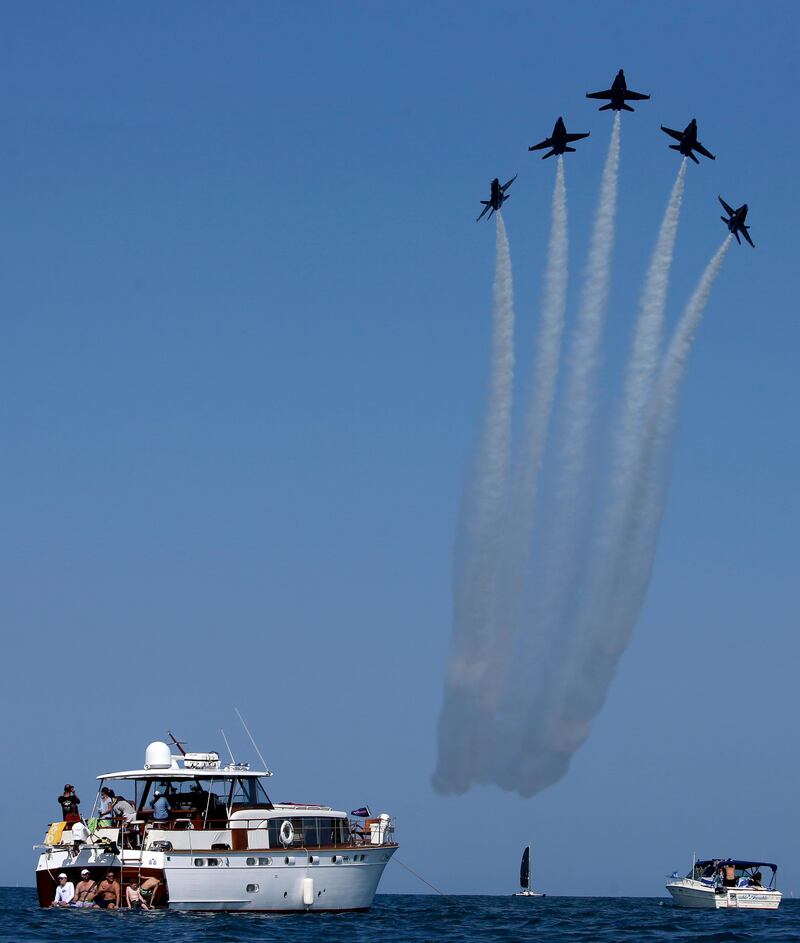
(224, 844)
(727, 882)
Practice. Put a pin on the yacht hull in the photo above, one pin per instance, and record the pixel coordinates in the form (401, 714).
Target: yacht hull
(695, 894)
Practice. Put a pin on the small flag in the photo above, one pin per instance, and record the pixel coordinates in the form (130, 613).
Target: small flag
(362, 813)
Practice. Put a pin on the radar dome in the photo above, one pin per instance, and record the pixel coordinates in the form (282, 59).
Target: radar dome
(157, 756)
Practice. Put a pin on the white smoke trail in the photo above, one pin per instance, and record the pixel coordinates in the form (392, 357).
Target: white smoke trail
(514, 756)
(533, 439)
(478, 545)
(580, 393)
(589, 681)
(641, 373)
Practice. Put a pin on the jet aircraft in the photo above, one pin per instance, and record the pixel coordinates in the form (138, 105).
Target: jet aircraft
(558, 141)
(497, 198)
(736, 222)
(618, 94)
(688, 141)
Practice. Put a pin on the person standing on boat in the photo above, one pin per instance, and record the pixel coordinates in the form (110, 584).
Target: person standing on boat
(104, 809)
(69, 805)
(728, 875)
(160, 807)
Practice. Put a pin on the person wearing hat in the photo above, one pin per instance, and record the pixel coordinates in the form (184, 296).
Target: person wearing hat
(69, 805)
(65, 891)
(160, 807)
(85, 890)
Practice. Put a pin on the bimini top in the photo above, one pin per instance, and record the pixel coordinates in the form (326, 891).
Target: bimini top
(737, 863)
(160, 762)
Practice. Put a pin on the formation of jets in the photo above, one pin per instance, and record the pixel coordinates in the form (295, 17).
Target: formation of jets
(617, 98)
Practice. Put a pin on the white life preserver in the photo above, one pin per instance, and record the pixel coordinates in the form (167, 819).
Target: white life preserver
(287, 832)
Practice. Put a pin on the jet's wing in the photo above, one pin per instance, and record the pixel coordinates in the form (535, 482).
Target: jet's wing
(634, 96)
(569, 138)
(484, 210)
(507, 185)
(547, 142)
(728, 209)
(746, 235)
(606, 94)
(697, 146)
(678, 135)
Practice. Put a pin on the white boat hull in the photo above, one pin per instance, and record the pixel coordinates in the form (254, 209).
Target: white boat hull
(691, 893)
(274, 881)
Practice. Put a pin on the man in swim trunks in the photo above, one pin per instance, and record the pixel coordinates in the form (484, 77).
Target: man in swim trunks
(108, 892)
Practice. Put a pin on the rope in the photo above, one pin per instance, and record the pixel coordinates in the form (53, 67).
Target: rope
(420, 877)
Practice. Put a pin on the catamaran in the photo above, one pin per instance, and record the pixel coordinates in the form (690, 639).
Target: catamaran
(726, 882)
(224, 845)
(525, 876)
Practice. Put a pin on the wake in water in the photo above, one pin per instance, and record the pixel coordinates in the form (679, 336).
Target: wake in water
(478, 544)
(544, 608)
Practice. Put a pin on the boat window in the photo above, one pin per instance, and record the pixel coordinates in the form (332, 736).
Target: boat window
(310, 837)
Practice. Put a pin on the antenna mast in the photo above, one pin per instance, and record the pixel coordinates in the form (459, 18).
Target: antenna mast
(233, 760)
(255, 745)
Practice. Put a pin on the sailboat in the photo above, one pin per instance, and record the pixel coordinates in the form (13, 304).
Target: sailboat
(525, 876)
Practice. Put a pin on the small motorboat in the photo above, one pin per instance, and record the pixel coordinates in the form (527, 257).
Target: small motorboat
(525, 876)
(726, 882)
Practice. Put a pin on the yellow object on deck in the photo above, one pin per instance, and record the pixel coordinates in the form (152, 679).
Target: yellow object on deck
(54, 833)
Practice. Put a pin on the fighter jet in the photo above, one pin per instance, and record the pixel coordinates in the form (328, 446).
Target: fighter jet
(558, 141)
(498, 197)
(736, 222)
(688, 141)
(618, 94)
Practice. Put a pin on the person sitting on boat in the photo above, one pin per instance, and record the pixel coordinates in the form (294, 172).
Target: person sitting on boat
(85, 890)
(69, 803)
(756, 880)
(133, 896)
(160, 807)
(108, 892)
(65, 891)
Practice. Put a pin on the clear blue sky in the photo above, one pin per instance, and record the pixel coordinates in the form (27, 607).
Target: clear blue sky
(245, 315)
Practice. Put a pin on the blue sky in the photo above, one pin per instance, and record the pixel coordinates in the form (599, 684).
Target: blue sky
(244, 347)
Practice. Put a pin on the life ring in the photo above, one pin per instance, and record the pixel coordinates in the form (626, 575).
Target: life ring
(287, 832)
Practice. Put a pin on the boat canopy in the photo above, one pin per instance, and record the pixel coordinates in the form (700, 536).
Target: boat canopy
(737, 863)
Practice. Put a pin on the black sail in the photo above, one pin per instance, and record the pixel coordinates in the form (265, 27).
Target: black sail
(525, 868)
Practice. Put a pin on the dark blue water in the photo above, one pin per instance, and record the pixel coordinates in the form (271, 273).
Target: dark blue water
(411, 919)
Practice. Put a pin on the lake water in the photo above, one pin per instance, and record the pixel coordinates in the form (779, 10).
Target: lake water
(411, 919)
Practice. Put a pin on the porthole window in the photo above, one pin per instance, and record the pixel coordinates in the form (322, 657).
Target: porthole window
(264, 861)
(252, 888)
(250, 862)
(198, 862)
(213, 862)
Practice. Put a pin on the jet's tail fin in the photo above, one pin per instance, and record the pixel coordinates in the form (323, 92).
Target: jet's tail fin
(674, 147)
(737, 237)
(626, 107)
(548, 154)
(691, 154)
(570, 149)
(726, 221)
(606, 107)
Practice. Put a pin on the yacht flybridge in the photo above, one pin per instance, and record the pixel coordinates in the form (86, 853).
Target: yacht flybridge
(223, 845)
